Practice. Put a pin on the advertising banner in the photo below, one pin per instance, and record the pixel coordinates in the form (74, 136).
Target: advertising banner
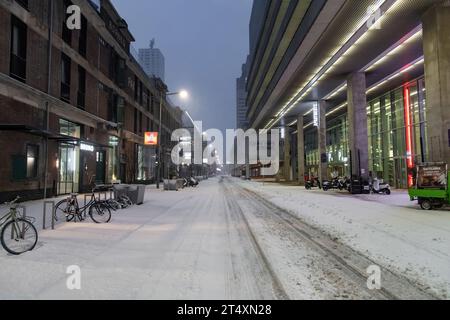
(432, 176)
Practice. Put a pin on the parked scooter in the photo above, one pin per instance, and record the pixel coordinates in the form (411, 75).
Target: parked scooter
(193, 182)
(342, 184)
(314, 183)
(379, 187)
(333, 184)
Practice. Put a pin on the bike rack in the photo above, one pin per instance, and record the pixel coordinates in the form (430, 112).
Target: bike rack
(99, 194)
(44, 214)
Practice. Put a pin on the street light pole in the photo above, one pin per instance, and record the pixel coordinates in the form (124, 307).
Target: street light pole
(183, 95)
(158, 158)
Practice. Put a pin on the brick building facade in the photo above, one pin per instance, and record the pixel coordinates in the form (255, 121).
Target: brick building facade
(79, 109)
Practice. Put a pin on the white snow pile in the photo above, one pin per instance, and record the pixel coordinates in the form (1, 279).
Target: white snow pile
(392, 232)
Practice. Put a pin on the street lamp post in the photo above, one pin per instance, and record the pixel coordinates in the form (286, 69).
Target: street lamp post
(183, 94)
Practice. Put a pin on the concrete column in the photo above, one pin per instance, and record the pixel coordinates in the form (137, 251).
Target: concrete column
(247, 160)
(357, 123)
(436, 44)
(287, 155)
(322, 139)
(301, 150)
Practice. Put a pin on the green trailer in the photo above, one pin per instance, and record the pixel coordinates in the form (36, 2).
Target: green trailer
(431, 186)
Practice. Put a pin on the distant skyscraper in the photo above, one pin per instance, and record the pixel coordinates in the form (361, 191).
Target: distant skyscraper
(241, 99)
(153, 62)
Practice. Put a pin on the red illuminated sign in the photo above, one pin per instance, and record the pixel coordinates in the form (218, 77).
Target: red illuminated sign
(408, 127)
(151, 138)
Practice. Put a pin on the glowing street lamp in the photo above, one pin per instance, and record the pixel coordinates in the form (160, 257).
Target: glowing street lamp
(183, 95)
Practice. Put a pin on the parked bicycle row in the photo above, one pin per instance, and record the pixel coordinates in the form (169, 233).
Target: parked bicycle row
(354, 186)
(18, 233)
(182, 183)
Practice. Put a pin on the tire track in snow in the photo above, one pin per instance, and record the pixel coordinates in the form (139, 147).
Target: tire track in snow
(352, 263)
(234, 207)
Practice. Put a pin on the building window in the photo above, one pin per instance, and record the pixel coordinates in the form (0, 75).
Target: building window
(66, 33)
(81, 96)
(135, 121)
(65, 77)
(18, 65)
(152, 104)
(118, 71)
(23, 3)
(82, 44)
(136, 88)
(26, 166)
(141, 94)
(32, 161)
(70, 129)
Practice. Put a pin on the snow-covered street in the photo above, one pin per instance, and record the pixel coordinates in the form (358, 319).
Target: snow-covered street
(233, 239)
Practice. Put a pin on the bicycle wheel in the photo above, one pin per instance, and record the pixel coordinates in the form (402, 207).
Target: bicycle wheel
(127, 201)
(65, 210)
(100, 213)
(113, 204)
(19, 236)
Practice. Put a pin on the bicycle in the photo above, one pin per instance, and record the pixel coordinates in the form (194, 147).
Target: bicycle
(124, 201)
(18, 234)
(71, 210)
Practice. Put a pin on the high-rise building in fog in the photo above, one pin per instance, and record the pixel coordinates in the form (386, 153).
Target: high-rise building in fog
(241, 99)
(152, 60)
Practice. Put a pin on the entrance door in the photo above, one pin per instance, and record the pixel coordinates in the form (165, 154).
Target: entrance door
(101, 167)
(68, 169)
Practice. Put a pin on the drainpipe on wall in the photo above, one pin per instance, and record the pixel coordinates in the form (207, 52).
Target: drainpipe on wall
(49, 79)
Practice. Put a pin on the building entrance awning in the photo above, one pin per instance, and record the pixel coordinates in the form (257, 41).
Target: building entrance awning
(48, 134)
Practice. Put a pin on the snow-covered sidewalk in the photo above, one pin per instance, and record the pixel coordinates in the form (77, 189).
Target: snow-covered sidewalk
(390, 230)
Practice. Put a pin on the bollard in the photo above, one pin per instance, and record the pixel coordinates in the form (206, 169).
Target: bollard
(44, 214)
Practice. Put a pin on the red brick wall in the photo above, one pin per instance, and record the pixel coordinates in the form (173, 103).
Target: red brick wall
(91, 93)
(92, 46)
(16, 112)
(37, 57)
(7, 184)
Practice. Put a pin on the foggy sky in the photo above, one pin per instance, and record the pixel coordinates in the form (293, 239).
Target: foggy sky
(204, 43)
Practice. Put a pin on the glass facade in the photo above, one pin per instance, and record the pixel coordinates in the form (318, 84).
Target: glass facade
(68, 162)
(113, 159)
(397, 133)
(140, 167)
(337, 148)
(396, 123)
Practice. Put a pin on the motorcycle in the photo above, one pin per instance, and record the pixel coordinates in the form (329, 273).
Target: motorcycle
(333, 184)
(379, 187)
(193, 182)
(314, 183)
